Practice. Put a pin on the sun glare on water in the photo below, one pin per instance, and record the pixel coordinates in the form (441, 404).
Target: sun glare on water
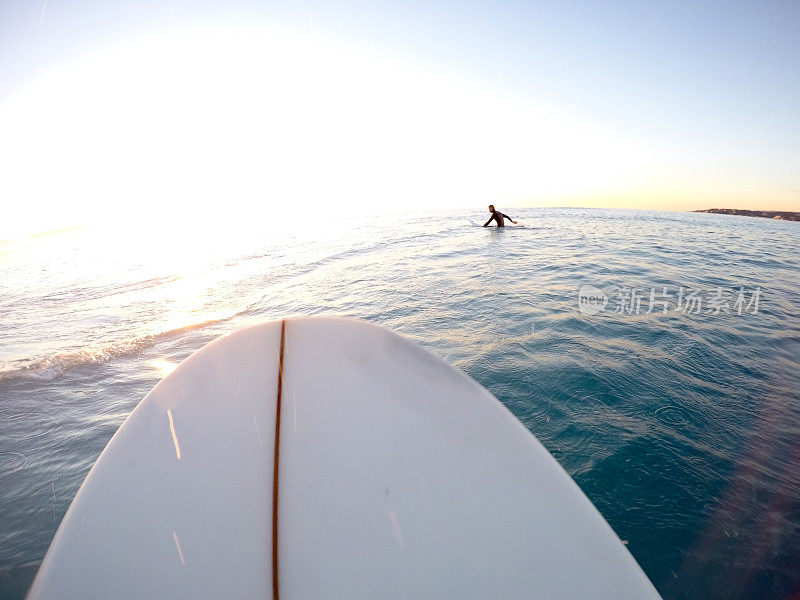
(245, 127)
(162, 366)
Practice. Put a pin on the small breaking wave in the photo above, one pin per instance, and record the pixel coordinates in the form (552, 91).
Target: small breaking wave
(51, 367)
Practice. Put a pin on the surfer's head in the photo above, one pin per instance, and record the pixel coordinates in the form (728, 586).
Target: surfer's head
(491, 208)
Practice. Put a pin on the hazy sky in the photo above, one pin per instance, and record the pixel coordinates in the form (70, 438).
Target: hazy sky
(133, 109)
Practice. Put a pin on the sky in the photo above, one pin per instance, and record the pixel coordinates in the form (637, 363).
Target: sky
(185, 112)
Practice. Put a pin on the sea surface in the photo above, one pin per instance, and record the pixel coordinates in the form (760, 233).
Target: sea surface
(655, 354)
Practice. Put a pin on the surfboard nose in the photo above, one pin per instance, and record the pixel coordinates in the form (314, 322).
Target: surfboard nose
(330, 458)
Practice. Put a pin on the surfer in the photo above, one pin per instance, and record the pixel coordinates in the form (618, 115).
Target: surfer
(498, 216)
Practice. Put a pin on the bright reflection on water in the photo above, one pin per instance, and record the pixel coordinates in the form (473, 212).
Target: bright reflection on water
(682, 428)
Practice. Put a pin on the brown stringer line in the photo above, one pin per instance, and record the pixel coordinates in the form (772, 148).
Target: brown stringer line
(275, 469)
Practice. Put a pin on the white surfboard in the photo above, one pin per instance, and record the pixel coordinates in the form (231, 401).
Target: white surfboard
(329, 458)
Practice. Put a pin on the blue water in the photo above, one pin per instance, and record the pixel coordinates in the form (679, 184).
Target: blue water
(682, 427)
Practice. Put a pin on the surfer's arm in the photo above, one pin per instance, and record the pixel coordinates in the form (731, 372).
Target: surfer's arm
(489, 221)
(509, 218)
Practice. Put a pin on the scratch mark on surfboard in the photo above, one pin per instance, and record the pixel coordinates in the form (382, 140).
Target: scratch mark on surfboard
(258, 430)
(174, 435)
(398, 532)
(178, 546)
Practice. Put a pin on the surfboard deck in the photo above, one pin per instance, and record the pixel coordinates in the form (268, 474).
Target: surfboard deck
(382, 472)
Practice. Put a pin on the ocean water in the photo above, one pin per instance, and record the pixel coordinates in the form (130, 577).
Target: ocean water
(656, 355)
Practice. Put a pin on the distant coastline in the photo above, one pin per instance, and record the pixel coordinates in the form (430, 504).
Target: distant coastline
(767, 214)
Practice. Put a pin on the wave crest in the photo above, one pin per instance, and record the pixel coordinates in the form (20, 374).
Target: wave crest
(48, 368)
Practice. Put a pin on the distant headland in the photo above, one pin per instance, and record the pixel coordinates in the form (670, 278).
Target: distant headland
(767, 214)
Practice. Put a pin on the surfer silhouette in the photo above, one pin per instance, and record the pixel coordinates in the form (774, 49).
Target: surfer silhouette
(498, 217)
